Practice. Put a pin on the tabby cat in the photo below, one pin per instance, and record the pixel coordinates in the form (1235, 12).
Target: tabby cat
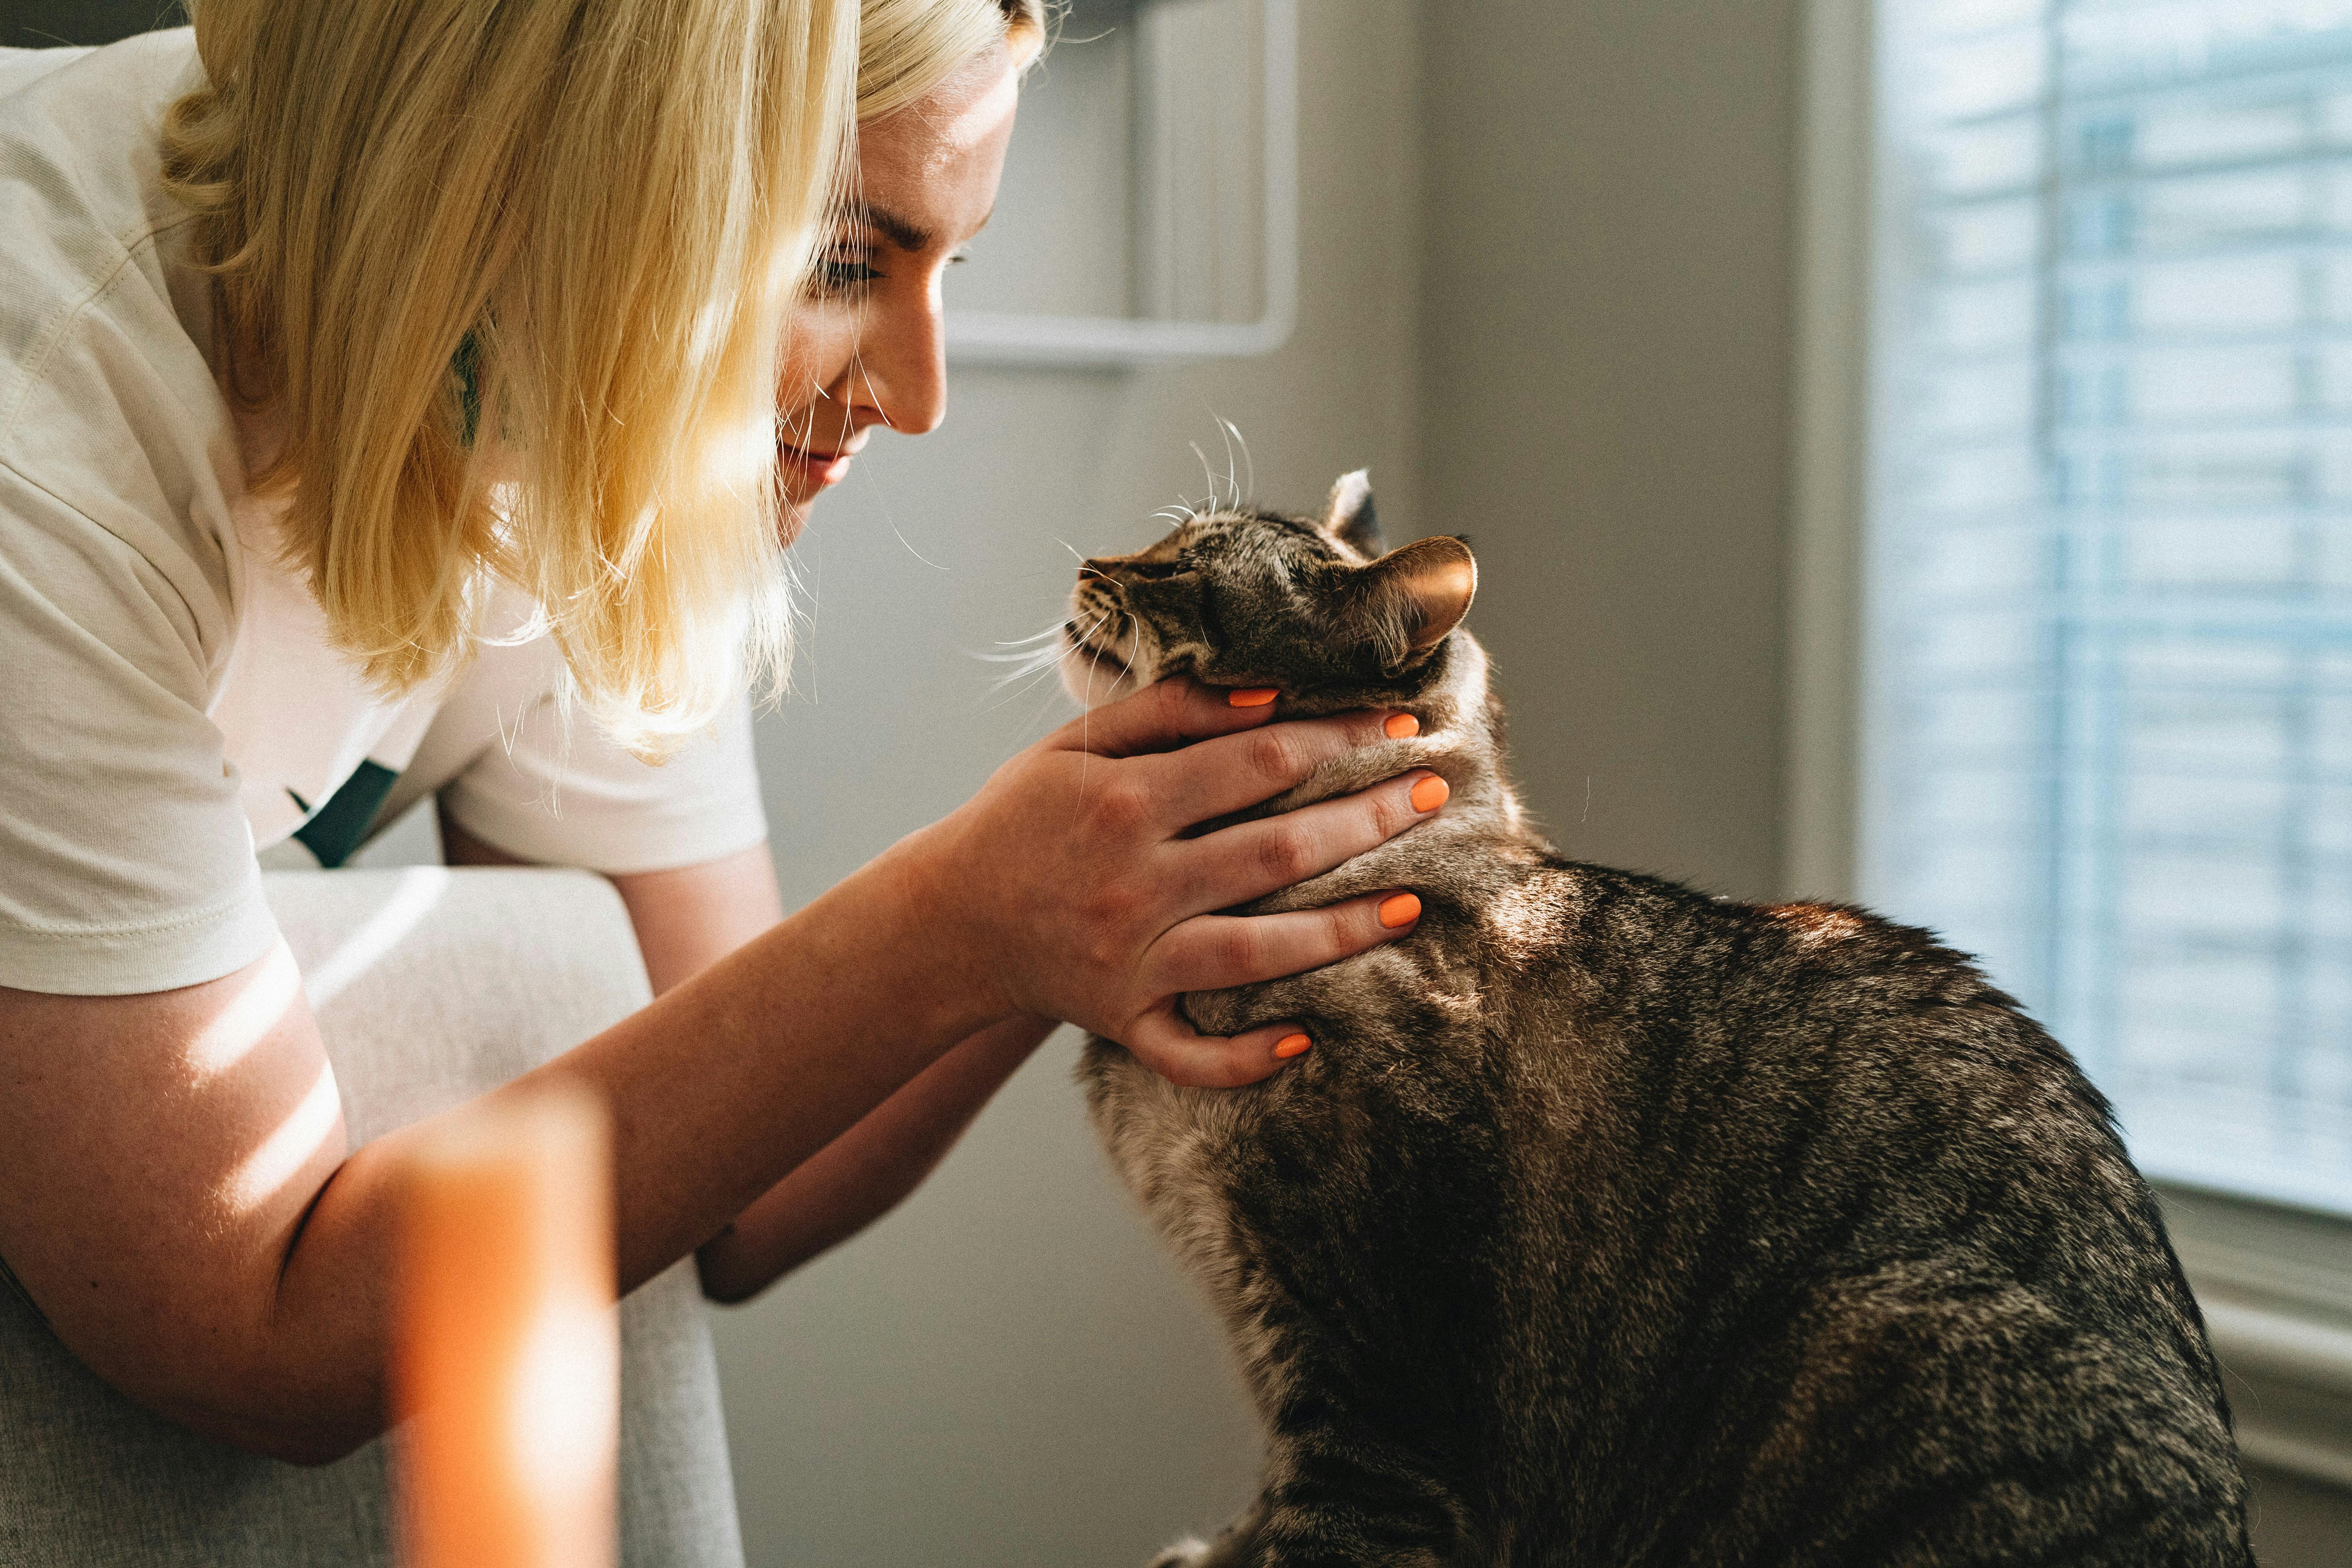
(1609, 1223)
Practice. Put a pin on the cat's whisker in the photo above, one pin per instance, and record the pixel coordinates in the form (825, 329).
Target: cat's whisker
(1036, 666)
(1023, 680)
(1019, 655)
(1207, 472)
(1249, 463)
(1022, 664)
(1052, 631)
(1018, 689)
(1030, 665)
(1232, 485)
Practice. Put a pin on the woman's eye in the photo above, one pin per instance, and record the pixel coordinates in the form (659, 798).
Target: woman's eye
(843, 275)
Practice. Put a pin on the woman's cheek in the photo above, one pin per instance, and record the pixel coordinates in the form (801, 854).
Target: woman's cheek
(819, 344)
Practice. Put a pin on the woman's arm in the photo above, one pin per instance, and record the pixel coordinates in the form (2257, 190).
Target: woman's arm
(868, 1171)
(690, 918)
(176, 1188)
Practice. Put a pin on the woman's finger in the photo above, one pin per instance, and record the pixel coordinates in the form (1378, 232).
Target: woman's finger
(1251, 860)
(1210, 953)
(1161, 717)
(1170, 1047)
(1233, 773)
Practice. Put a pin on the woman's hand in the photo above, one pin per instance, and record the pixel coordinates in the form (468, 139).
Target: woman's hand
(1080, 896)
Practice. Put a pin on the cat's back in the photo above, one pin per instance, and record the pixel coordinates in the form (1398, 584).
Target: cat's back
(1848, 1218)
(1810, 1093)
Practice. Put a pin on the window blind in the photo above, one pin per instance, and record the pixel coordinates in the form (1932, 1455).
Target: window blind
(2109, 737)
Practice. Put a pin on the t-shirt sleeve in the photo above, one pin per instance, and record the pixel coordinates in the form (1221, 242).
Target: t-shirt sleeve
(561, 792)
(126, 863)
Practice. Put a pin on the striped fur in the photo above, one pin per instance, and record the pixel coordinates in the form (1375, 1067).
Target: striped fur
(1609, 1223)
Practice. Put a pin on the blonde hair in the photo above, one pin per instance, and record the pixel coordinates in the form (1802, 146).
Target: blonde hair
(568, 232)
(905, 48)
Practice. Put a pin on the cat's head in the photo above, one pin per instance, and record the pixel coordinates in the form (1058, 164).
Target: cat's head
(1311, 606)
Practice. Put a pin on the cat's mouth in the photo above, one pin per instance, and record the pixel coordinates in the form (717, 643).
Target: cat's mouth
(1101, 665)
(1085, 643)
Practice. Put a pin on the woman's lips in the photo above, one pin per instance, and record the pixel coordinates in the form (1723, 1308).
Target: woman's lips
(818, 469)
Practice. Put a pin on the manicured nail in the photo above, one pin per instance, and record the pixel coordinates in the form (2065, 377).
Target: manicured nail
(1401, 909)
(1401, 726)
(1291, 1046)
(1430, 794)
(1252, 696)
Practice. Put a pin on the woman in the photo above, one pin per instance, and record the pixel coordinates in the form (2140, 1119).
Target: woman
(413, 384)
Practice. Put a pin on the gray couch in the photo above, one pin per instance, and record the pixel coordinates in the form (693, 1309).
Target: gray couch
(429, 985)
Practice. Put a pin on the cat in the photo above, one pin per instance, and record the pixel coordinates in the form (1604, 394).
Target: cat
(1608, 1222)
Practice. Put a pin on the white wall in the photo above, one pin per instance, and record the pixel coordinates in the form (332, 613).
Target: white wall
(1005, 1370)
(1606, 370)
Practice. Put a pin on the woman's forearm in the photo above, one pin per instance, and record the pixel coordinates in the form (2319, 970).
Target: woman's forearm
(868, 1171)
(688, 920)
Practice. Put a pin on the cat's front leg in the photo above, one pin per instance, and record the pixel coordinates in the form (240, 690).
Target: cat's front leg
(1231, 1548)
(1353, 1507)
(1275, 1537)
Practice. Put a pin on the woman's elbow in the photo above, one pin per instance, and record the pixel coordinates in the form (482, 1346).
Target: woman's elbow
(307, 1438)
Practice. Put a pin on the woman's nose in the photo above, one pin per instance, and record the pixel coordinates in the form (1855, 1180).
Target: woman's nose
(903, 359)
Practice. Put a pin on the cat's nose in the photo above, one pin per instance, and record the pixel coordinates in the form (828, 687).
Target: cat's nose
(1095, 568)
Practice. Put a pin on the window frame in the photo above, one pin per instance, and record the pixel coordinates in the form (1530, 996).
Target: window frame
(2274, 1282)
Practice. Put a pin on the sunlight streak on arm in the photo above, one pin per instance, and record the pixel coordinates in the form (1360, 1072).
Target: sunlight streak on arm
(236, 1028)
(306, 1130)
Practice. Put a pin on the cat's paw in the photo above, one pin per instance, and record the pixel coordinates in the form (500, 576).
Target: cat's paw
(1186, 1553)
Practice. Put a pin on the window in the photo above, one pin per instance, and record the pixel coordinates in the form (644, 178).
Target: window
(2109, 734)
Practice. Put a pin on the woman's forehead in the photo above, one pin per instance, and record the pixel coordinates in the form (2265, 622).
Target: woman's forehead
(937, 161)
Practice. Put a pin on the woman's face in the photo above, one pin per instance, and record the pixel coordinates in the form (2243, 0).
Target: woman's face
(866, 347)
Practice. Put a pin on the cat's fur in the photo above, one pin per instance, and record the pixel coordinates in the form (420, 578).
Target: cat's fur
(1610, 1224)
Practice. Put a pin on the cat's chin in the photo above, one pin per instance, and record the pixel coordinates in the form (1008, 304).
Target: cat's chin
(1093, 680)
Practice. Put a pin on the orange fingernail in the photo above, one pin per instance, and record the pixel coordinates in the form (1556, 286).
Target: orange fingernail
(1401, 726)
(1430, 794)
(1291, 1046)
(1402, 910)
(1252, 696)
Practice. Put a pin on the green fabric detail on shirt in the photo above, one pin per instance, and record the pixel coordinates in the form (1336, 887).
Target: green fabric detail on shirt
(341, 826)
(467, 365)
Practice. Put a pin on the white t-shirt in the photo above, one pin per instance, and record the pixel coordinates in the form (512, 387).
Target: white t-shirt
(168, 702)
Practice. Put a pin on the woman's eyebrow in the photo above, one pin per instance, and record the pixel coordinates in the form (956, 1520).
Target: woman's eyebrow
(898, 229)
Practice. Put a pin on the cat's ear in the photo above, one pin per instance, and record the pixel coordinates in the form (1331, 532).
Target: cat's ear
(1418, 594)
(1349, 517)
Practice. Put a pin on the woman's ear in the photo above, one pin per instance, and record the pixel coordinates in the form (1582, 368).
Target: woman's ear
(1348, 516)
(1417, 594)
